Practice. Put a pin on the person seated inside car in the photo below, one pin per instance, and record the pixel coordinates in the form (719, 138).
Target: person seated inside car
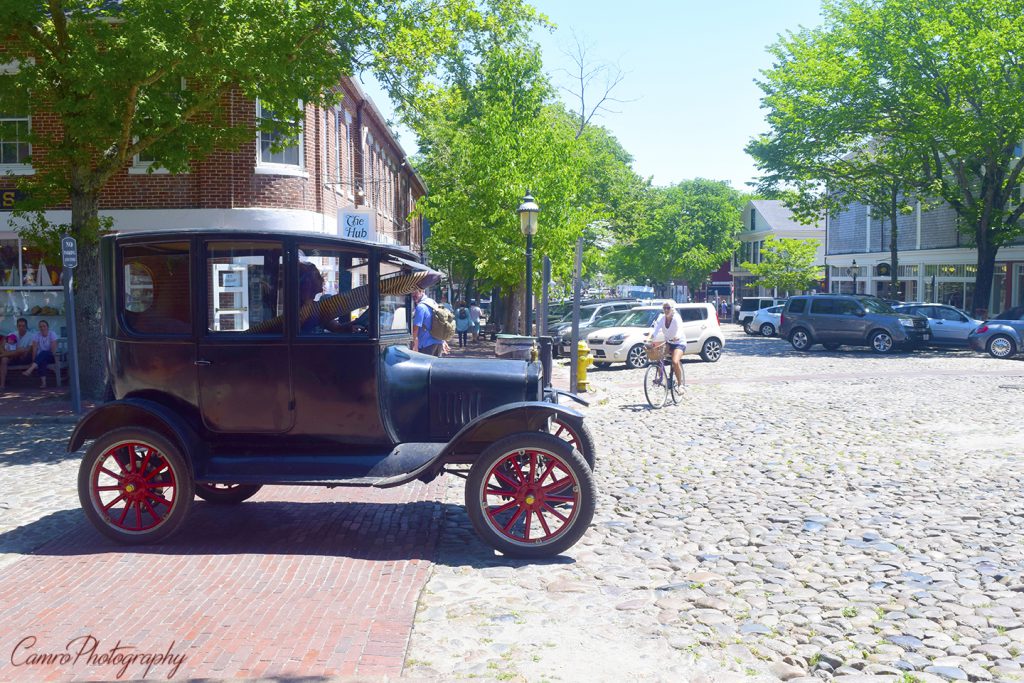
(311, 288)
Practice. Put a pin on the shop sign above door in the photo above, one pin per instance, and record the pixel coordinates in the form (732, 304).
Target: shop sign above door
(357, 225)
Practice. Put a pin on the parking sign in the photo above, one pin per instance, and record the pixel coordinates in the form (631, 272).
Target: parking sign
(69, 251)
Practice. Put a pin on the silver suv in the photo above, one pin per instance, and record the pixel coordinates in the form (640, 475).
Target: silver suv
(833, 320)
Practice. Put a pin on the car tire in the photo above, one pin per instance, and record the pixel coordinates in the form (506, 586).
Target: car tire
(831, 347)
(148, 473)
(801, 339)
(578, 436)
(767, 330)
(881, 342)
(226, 494)
(1001, 346)
(501, 503)
(636, 358)
(711, 351)
(602, 364)
(748, 329)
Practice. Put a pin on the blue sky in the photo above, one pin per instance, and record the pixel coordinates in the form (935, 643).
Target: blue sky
(690, 66)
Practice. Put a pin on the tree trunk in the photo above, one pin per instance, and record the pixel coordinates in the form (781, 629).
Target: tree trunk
(92, 346)
(894, 256)
(983, 280)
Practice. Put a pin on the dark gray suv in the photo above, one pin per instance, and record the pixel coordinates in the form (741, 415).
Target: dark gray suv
(836, 319)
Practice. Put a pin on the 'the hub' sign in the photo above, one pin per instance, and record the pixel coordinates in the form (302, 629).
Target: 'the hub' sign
(357, 225)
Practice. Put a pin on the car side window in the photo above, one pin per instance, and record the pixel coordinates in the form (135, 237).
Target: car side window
(156, 288)
(333, 291)
(245, 287)
(689, 315)
(823, 306)
(944, 314)
(797, 305)
(846, 307)
(395, 299)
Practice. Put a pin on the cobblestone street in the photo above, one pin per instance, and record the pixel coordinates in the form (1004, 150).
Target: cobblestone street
(818, 515)
(825, 514)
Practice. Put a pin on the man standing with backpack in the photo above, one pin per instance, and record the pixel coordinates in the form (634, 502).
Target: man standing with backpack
(425, 324)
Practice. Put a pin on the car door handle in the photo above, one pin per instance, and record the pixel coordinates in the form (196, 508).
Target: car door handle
(202, 361)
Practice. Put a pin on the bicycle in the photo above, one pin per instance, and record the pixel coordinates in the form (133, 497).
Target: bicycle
(659, 381)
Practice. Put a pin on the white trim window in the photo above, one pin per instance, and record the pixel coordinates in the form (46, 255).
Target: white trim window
(269, 158)
(15, 150)
(145, 162)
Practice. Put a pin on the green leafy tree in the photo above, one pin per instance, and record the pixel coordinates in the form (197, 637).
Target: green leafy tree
(153, 76)
(689, 233)
(936, 82)
(787, 265)
(485, 141)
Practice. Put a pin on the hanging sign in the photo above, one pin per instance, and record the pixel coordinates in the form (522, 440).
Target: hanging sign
(357, 225)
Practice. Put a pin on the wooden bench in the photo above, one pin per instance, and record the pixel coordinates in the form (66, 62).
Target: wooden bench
(58, 368)
(490, 330)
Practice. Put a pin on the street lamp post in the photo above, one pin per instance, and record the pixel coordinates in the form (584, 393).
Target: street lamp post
(854, 272)
(528, 211)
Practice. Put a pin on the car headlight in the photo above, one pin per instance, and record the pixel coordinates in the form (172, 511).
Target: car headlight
(907, 322)
(616, 339)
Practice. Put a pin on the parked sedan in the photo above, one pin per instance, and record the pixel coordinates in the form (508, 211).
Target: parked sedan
(1002, 336)
(766, 321)
(949, 325)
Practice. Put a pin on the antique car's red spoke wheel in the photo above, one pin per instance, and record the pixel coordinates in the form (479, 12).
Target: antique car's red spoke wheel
(141, 494)
(530, 495)
(134, 485)
(226, 494)
(542, 481)
(576, 435)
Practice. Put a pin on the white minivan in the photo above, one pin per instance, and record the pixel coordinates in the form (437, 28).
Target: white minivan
(625, 343)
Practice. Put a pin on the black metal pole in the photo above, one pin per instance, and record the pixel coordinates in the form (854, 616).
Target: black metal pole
(69, 303)
(529, 285)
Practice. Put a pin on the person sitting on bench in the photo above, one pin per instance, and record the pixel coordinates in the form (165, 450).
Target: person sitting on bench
(21, 353)
(44, 345)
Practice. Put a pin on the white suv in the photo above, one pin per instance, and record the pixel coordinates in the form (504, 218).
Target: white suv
(625, 343)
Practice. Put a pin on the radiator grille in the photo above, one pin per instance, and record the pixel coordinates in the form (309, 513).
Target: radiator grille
(456, 408)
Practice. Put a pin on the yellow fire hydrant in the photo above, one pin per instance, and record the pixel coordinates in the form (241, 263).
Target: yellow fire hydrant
(584, 361)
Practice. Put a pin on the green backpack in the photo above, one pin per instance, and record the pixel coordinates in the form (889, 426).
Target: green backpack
(442, 322)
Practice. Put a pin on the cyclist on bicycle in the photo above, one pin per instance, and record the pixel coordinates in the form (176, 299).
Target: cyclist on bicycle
(670, 326)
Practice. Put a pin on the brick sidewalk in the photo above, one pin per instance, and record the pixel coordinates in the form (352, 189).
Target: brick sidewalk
(297, 582)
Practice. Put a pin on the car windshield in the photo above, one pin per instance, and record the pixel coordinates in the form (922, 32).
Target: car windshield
(874, 305)
(609, 320)
(642, 318)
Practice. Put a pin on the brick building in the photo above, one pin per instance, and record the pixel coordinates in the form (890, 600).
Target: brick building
(347, 164)
(936, 262)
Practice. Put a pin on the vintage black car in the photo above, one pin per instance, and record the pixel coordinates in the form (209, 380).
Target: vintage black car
(240, 359)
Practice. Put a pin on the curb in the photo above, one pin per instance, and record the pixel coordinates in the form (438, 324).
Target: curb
(38, 419)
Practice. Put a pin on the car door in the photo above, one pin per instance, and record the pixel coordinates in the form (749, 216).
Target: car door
(335, 349)
(955, 325)
(242, 356)
(823, 319)
(851, 324)
(695, 323)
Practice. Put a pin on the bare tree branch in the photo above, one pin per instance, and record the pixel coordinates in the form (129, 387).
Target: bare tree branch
(592, 82)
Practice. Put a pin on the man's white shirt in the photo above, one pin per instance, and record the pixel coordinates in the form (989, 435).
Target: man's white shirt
(673, 332)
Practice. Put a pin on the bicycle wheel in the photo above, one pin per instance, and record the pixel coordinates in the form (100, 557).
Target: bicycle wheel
(656, 387)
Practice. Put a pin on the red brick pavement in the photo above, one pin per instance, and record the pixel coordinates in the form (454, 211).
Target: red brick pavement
(298, 581)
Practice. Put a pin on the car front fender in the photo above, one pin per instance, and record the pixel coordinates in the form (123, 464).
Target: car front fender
(474, 437)
(137, 412)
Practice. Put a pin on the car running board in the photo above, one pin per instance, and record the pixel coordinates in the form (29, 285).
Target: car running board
(402, 464)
